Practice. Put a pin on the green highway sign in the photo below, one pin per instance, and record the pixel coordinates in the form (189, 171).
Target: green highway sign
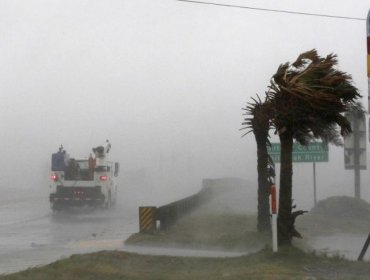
(313, 152)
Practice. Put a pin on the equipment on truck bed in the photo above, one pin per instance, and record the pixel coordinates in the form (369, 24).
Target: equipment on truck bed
(79, 182)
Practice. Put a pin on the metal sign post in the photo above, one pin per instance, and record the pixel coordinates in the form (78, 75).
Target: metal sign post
(314, 184)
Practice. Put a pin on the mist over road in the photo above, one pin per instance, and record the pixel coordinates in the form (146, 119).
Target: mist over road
(31, 235)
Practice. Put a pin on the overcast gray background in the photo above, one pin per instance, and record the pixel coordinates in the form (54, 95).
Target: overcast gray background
(164, 81)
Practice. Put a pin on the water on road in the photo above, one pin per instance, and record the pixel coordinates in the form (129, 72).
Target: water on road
(31, 235)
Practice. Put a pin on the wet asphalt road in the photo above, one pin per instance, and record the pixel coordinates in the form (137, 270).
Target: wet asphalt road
(31, 235)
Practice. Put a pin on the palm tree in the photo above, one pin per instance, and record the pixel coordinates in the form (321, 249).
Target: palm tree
(308, 100)
(257, 121)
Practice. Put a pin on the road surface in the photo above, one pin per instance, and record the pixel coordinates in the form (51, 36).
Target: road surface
(31, 235)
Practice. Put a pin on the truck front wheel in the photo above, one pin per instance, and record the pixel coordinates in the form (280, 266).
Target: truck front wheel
(108, 203)
(56, 207)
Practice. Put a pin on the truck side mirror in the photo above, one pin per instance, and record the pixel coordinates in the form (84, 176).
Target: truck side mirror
(116, 169)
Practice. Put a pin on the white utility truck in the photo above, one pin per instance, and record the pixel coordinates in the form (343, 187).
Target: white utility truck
(79, 182)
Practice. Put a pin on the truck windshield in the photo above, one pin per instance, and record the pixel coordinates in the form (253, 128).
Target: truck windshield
(83, 164)
(102, 169)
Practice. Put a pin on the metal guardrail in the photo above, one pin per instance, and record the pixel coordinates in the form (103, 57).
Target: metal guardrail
(168, 214)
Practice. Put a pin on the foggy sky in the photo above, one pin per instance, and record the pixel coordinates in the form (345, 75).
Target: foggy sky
(163, 80)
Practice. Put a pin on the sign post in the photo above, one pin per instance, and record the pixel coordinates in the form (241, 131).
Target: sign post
(274, 219)
(314, 184)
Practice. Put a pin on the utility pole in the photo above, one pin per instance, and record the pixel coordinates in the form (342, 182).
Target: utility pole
(356, 154)
(314, 184)
(355, 146)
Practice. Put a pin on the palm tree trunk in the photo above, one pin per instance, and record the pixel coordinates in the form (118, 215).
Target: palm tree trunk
(285, 220)
(263, 217)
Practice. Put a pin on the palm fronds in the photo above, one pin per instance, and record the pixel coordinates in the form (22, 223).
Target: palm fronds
(311, 94)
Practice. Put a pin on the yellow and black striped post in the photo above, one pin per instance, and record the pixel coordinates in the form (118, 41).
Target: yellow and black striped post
(147, 219)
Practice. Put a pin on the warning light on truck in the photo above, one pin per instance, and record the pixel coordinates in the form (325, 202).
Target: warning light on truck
(103, 178)
(54, 177)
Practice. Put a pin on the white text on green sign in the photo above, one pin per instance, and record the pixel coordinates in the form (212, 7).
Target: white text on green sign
(313, 152)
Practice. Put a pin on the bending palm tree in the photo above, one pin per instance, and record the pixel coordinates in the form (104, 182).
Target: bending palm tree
(308, 98)
(258, 122)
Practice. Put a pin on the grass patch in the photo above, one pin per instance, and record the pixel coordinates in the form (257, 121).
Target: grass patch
(289, 263)
(337, 214)
(206, 229)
